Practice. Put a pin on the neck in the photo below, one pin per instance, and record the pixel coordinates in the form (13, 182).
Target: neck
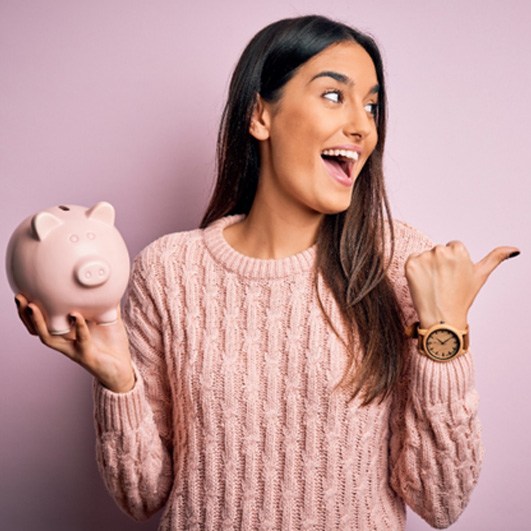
(268, 233)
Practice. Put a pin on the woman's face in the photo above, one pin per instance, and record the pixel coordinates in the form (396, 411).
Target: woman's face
(316, 138)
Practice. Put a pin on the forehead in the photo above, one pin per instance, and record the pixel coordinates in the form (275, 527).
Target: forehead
(348, 58)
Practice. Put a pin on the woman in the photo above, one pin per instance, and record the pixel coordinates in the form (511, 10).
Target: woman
(266, 380)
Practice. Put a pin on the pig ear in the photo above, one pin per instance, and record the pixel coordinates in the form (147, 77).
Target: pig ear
(43, 223)
(102, 211)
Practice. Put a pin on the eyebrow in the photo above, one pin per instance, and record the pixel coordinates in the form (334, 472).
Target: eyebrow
(342, 78)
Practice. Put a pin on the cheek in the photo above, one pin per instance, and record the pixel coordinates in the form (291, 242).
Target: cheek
(371, 143)
(293, 144)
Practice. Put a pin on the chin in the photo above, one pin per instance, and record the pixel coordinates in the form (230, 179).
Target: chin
(335, 207)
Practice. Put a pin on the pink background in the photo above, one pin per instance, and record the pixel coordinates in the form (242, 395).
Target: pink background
(120, 99)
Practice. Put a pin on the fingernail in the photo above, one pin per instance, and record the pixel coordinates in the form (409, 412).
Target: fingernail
(513, 254)
(72, 319)
(17, 302)
(29, 310)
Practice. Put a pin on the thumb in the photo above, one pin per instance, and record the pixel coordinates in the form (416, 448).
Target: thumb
(493, 259)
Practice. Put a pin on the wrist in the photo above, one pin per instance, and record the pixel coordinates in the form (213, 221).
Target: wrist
(457, 320)
(122, 385)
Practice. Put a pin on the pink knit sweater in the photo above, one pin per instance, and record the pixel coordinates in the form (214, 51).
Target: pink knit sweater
(235, 422)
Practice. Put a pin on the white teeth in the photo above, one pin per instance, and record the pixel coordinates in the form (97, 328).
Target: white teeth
(353, 155)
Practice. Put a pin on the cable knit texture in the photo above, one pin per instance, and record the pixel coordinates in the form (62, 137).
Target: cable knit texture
(235, 421)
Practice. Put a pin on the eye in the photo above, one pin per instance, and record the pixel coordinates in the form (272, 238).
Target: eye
(335, 96)
(372, 108)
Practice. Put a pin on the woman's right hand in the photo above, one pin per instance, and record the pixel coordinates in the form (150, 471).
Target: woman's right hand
(102, 349)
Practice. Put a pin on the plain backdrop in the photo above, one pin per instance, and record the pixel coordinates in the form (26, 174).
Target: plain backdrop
(119, 100)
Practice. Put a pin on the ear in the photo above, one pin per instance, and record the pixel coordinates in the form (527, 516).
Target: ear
(43, 223)
(260, 119)
(102, 211)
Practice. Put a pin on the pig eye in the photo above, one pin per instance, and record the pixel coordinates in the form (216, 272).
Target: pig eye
(74, 238)
(91, 236)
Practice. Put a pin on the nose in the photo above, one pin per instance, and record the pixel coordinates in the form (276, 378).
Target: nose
(91, 273)
(359, 122)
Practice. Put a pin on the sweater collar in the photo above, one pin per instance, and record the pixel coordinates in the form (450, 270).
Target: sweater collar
(250, 267)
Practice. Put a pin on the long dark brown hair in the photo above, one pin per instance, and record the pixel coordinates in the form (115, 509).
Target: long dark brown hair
(350, 245)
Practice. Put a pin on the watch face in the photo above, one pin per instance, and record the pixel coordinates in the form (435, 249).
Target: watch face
(442, 345)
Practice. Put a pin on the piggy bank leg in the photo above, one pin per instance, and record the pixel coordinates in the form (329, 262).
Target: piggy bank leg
(58, 325)
(108, 317)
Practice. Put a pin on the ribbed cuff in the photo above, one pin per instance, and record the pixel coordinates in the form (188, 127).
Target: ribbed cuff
(441, 382)
(119, 411)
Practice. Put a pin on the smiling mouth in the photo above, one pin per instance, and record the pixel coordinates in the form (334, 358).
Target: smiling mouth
(340, 160)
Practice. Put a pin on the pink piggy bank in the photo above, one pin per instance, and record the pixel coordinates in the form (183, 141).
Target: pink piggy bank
(70, 258)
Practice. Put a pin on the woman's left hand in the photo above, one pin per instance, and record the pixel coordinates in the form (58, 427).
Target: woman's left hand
(444, 281)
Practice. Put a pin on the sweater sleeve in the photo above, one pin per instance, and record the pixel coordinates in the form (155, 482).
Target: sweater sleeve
(435, 434)
(133, 430)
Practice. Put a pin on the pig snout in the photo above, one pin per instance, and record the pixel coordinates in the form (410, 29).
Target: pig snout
(92, 272)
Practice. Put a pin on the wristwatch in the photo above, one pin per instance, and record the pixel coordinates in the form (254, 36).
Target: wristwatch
(441, 342)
